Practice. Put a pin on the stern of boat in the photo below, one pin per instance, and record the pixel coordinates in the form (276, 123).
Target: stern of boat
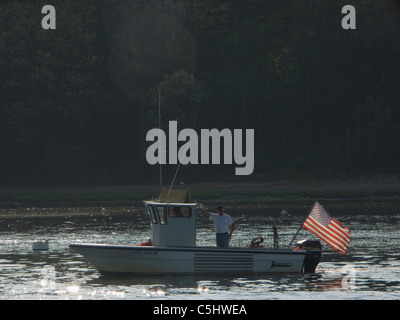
(311, 261)
(313, 250)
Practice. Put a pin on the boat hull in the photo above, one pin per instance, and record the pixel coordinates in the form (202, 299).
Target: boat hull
(196, 260)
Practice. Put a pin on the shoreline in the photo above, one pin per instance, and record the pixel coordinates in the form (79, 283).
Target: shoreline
(285, 191)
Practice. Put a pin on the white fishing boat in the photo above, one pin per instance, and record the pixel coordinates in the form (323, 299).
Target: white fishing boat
(172, 250)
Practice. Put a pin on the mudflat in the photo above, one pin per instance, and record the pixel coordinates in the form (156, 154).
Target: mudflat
(374, 192)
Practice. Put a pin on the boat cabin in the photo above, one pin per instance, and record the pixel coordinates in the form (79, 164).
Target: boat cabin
(172, 224)
(173, 219)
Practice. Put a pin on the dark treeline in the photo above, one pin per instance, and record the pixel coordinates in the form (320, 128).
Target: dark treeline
(76, 102)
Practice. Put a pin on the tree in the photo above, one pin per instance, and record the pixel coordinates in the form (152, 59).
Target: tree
(181, 99)
(149, 41)
(49, 90)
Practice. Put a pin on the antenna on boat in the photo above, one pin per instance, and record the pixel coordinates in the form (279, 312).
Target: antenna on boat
(173, 180)
(176, 172)
(159, 127)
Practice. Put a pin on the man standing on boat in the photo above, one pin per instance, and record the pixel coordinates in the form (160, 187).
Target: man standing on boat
(222, 223)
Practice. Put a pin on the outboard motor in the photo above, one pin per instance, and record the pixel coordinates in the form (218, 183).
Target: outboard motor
(313, 255)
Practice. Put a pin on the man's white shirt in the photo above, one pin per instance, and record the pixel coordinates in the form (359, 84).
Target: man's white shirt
(222, 223)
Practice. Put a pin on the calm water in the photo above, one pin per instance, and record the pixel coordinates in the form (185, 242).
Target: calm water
(372, 263)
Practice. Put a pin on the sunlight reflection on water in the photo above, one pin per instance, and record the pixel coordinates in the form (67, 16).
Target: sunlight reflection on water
(373, 253)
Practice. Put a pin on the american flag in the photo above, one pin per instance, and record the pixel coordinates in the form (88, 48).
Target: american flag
(327, 228)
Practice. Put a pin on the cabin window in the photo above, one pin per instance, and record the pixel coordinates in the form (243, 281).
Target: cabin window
(162, 214)
(152, 214)
(180, 212)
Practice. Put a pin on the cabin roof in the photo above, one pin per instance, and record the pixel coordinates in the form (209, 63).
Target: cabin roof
(174, 195)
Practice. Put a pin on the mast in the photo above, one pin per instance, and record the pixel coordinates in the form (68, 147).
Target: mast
(159, 127)
(177, 169)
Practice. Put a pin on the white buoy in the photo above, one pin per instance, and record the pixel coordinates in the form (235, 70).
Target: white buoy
(40, 245)
(284, 213)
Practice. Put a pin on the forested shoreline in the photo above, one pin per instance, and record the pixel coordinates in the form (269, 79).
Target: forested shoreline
(76, 102)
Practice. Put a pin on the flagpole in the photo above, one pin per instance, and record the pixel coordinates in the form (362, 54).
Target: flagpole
(301, 225)
(296, 234)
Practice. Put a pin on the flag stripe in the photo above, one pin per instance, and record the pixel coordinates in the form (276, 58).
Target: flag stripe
(325, 232)
(345, 232)
(323, 238)
(333, 237)
(331, 230)
(328, 236)
(337, 233)
(327, 228)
